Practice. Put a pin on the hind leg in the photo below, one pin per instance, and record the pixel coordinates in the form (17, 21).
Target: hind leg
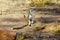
(29, 23)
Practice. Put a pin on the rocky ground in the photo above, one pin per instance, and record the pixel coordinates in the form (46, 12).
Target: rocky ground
(46, 27)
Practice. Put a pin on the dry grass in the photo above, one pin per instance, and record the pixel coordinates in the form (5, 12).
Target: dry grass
(52, 28)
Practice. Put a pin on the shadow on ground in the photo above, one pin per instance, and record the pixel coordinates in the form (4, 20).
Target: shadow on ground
(48, 19)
